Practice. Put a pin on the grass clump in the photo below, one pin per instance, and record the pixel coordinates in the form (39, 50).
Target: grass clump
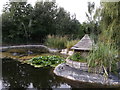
(77, 57)
(56, 41)
(104, 57)
(71, 43)
(60, 42)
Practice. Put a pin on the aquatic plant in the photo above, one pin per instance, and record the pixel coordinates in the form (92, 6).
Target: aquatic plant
(43, 61)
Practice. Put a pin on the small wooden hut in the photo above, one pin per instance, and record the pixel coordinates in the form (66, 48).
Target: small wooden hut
(84, 45)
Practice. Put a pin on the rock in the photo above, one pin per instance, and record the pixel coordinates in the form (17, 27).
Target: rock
(54, 50)
(70, 53)
(64, 51)
(30, 52)
(78, 75)
(77, 65)
(14, 54)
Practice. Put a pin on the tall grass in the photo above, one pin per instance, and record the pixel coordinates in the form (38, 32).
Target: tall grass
(71, 43)
(58, 42)
(103, 56)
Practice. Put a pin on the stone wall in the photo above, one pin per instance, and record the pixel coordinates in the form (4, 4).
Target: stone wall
(77, 65)
(83, 66)
(40, 48)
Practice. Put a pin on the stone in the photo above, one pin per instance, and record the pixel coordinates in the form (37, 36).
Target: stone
(70, 53)
(77, 65)
(82, 76)
(64, 51)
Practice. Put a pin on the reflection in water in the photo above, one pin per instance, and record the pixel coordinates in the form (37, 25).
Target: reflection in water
(0, 84)
(17, 75)
(31, 85)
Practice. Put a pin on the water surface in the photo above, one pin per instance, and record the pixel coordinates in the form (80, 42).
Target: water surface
(18, 75)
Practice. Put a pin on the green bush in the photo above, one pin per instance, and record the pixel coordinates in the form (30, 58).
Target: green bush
(43, 61)
(56, 41)
(77, 57)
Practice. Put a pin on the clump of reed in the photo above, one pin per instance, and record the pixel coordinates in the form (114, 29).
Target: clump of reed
(55, 41)
(103, 56)
(60, 42)
(71, 43)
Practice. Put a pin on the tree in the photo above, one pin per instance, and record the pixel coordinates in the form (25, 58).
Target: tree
(68, 25)
(16, 20)
(50, 19)
(43, 17)
(24, 23)
(0, 30)
(110, 22)
(104, 55)
(92, 24)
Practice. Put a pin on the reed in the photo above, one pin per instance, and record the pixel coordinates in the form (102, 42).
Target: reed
(103, 56)
(58, 42)
(71, 43)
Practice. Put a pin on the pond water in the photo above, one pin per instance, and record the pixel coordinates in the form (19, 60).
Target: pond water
(18, 75)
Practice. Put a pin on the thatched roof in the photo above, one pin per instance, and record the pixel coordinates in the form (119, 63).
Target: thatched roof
(84, 44)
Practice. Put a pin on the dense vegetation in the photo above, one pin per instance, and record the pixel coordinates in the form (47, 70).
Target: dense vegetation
(23, 23)
(106, 54)
(77, 57)
(57, 42)
(44, 61)
(46, 22)
(60, 42)
(110, 23)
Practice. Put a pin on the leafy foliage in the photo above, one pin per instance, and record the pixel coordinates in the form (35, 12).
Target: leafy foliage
(25, 23)
(91, 26)
(110, 22)
(77, 57)
(104, 56)
(15, 22)
(43, 61)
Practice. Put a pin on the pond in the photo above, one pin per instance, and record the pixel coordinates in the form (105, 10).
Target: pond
(18, 75)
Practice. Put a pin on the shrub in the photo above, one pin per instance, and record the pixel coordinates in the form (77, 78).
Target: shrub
(56, 41)
(77, 57)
